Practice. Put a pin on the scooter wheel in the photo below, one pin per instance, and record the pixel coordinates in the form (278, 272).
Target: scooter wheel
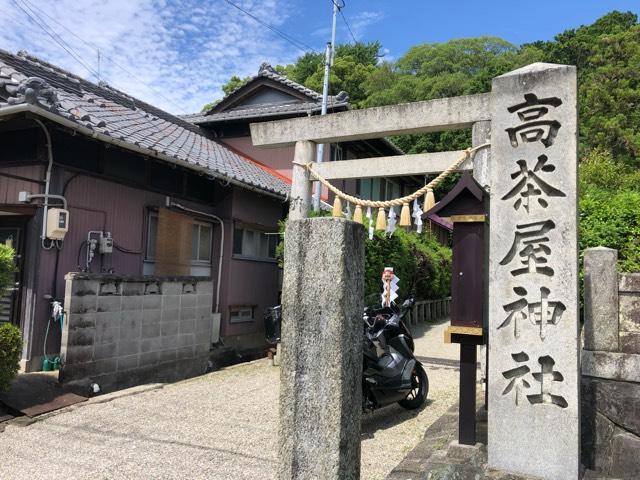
(419, 389)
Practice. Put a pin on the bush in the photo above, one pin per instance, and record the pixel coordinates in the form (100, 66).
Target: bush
(610, 208)
(421, 263)
(10, 351)
(7, 267)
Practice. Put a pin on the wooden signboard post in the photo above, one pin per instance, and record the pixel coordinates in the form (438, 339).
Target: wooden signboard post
(465, 206)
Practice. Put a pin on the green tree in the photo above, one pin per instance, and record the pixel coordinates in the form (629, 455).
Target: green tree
(10, 340)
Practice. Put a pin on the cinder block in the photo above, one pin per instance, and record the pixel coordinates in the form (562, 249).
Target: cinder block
(188, 313)
(87, 304)
(132, 303)
(170, 302)
(79, 320)
(151, 302)
(169, 342)
(81, 337)
(172, 315)
(131, 347)
(185, 352)
(110, 303)
(132, 288)
(149, 358)
(169, 328)
(187, 326)
(188, 300)
(150, 344)
(203, 324)
(127, 363)
(108, 320)
(107, 335)
(186, 340)
(130, 328)
(150, 331)
(205, 288)
(100, 367)
(109, 288)
(167, 355)
(202, 348)
(171, 288)
(205, 300)
(107, 350)
(151, 317)
(83, 288)
(79, 354)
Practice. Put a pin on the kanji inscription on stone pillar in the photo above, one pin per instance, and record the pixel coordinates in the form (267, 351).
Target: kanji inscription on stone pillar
(533, 274)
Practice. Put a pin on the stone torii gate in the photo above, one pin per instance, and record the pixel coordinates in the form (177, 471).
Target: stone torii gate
(530, 117)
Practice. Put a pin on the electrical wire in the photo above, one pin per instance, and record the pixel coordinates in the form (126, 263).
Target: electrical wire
(110, 59)
(348, 26)
(35, 18)
(293, 41)
(126, 250)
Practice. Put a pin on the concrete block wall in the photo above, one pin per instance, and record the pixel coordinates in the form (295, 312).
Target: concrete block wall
(125, 331)
(611, 367)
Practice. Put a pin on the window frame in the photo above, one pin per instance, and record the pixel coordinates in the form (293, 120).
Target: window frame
(199, 224)
(241, 308)
(262, 233)
(151, 214)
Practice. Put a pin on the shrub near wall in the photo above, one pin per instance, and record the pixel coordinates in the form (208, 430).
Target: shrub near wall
(10, 340)
(419, 261)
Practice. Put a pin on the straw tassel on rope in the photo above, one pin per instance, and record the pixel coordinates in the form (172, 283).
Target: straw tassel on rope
(337, 207)
(429, 200)
(381, 220)
(357, 214)
(405, 216)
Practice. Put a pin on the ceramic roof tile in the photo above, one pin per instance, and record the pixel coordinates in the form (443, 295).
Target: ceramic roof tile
(109, 111)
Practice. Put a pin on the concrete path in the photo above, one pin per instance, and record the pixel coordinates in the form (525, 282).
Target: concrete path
(218, 426)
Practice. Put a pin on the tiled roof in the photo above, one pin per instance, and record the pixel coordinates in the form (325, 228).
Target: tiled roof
(107, 111)
(260, 111)
(313, 103)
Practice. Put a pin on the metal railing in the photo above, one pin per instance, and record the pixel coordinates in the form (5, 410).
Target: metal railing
(429, 311)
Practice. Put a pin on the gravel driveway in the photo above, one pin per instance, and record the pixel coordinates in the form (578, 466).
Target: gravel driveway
(219, 426)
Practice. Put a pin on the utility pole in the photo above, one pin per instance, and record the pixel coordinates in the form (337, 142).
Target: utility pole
(328, 62)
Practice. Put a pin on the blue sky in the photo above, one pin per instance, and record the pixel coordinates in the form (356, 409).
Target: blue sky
(176, 54)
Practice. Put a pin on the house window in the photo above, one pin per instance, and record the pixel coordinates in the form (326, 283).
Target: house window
(201, 242)
(240, 314)
(152, 236)
(254, 244)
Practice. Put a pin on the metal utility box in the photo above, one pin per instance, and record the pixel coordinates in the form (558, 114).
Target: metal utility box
(57, 223)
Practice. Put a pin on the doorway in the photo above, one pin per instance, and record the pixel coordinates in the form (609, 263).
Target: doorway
(12, 234)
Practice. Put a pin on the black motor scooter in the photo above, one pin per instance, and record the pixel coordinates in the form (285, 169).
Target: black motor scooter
(390, 371)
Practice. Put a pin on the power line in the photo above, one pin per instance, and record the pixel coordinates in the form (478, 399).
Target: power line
(348, 26)
(54, 36)
(293, 41)
(101, 55)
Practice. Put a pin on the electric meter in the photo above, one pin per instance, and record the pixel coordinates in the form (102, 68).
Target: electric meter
(57, 223)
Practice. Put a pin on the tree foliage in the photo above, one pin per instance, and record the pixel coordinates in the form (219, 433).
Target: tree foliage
(10, 340)
(421, 263)
(607, 55)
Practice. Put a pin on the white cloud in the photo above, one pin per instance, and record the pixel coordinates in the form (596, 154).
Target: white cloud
(183, 49)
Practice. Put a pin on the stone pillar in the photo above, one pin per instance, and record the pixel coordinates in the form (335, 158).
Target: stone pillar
(321, 370)
(601, 299)
(481, 133)
(300, 185)
(533, 274)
